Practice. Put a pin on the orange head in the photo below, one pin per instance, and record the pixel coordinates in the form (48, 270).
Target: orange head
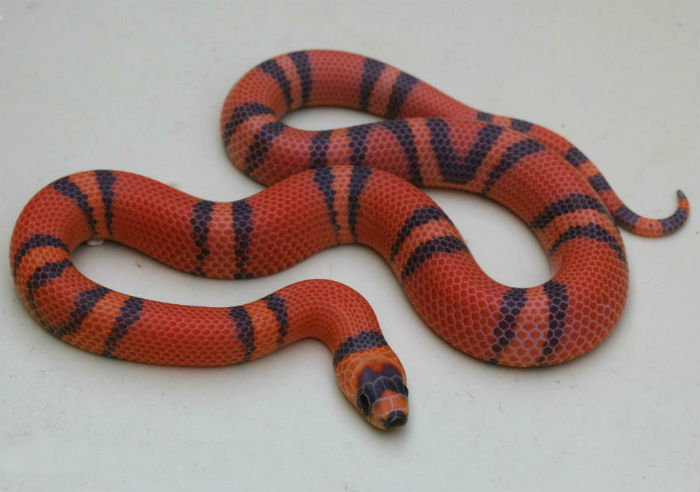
(382, 397)
(375, 383)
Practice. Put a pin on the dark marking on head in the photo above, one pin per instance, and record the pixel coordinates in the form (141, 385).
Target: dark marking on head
(274, 70)
(401, 130)
(399, 92)
(362, 341)
(242, 213)
(105, 181)
(452, 168)
(245, 331)
(372, 385)
(323, 177)
(240, 115)
(278, 305)
(261, 145)
(301, 62)
(370, 74)
(513, 155)
(573, 202)
(419, 217)
(425, 251)
(482, 116)
(201, 216)
(358, 180)
(590, 231)
(67, 188)
(130, 314)
(36, 241)
(558, 305)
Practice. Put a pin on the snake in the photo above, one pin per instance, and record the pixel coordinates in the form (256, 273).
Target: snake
(354, 185)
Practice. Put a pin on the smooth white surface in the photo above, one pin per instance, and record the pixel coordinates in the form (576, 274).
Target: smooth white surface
(138, 86)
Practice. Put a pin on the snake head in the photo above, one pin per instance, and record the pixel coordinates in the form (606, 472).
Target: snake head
(382, 396)
(375, 383)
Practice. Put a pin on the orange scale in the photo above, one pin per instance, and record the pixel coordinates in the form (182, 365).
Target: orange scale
(60, 217)
(555, 142)
(508, 189)
(271, 224)
(176, 339)
(220, 242)
(385, 152)
(420, 235)
(266, 328)
(256, 86)
(577, 270)
(587, 170)
(340, 187)
(381, 92)
(464, 134)
(88, 185)
(531, 335)
(559, 225)
(611, 200)
(290, 72)
(97, 324)
(56, 296)
(167, 237)
(244, 136)
(339, 150)
(33, 259)
(333, 85)
(648, 227)
(425, 100)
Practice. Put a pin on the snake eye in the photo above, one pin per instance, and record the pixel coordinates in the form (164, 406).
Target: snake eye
(364, 404)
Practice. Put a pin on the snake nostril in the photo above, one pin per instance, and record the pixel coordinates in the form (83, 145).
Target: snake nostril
(396, 418)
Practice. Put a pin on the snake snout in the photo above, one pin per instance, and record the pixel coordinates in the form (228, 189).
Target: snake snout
(396, 418)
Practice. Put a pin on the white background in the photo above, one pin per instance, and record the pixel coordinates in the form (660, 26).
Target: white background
(138, 86)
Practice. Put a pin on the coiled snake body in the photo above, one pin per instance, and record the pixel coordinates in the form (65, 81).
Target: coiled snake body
(348, 185)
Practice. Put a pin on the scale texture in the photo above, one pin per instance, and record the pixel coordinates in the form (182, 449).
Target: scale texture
(349, 185)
